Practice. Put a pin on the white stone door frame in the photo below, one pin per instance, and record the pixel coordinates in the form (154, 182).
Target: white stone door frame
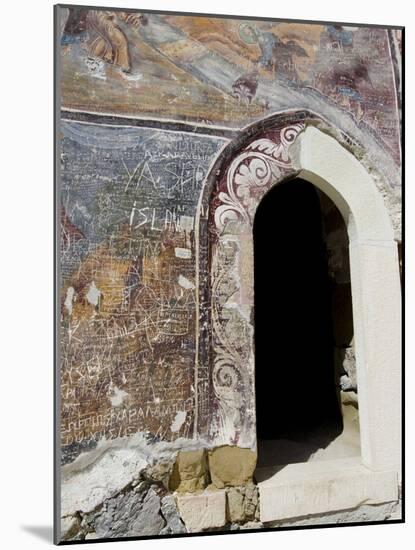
(299, 490)
(376, 292)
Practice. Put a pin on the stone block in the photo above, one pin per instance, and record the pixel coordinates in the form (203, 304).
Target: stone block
(231, 466)
(203, 510)
(133, 514)
(160, 471)
(235, 502)
(251, 501)
(69, 527)
(190, 471)
(170, 513)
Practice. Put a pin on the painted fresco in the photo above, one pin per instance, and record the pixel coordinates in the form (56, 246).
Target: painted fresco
(165, 121)
(224, 71)
(128, 281)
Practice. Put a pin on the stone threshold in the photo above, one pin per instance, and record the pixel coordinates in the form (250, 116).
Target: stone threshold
(296, 490)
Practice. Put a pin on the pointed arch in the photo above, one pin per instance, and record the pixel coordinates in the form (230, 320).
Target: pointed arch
(288, 145)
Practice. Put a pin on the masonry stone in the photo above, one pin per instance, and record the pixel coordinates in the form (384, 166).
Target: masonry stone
(231, 466)
(189, 471)
(202, 511)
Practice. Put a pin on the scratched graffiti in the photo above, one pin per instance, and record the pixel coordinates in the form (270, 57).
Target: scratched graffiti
(128, 281)
(130, 195)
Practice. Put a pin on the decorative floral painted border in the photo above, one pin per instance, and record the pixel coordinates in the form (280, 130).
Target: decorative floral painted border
(259, 164)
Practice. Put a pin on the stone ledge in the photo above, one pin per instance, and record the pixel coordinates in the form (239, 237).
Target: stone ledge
(298, 490)
(366, 513)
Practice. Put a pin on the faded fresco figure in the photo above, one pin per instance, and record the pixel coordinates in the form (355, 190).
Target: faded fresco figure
(349, 83)
(103, 35)
(245, 87)
(339, 38)
(276, 55)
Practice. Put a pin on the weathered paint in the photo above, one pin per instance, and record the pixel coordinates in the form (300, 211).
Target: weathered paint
(172, 130)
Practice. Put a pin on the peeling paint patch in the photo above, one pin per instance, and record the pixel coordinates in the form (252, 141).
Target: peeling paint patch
(184, 253)
(187, 223)
(178, 421)
(117, 396)
(185, 283)
(69, 299)
(93, 294)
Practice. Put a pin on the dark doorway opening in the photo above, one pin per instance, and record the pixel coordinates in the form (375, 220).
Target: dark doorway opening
(297, 391)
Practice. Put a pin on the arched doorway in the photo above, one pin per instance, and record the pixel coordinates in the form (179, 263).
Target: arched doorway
(263, 157)
(304, 354)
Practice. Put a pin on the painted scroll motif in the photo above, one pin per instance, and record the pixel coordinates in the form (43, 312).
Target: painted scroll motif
(261, 164)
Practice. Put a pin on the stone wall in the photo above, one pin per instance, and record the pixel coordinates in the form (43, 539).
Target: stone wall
(337, 244)
(176, 492)
(163, 490)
